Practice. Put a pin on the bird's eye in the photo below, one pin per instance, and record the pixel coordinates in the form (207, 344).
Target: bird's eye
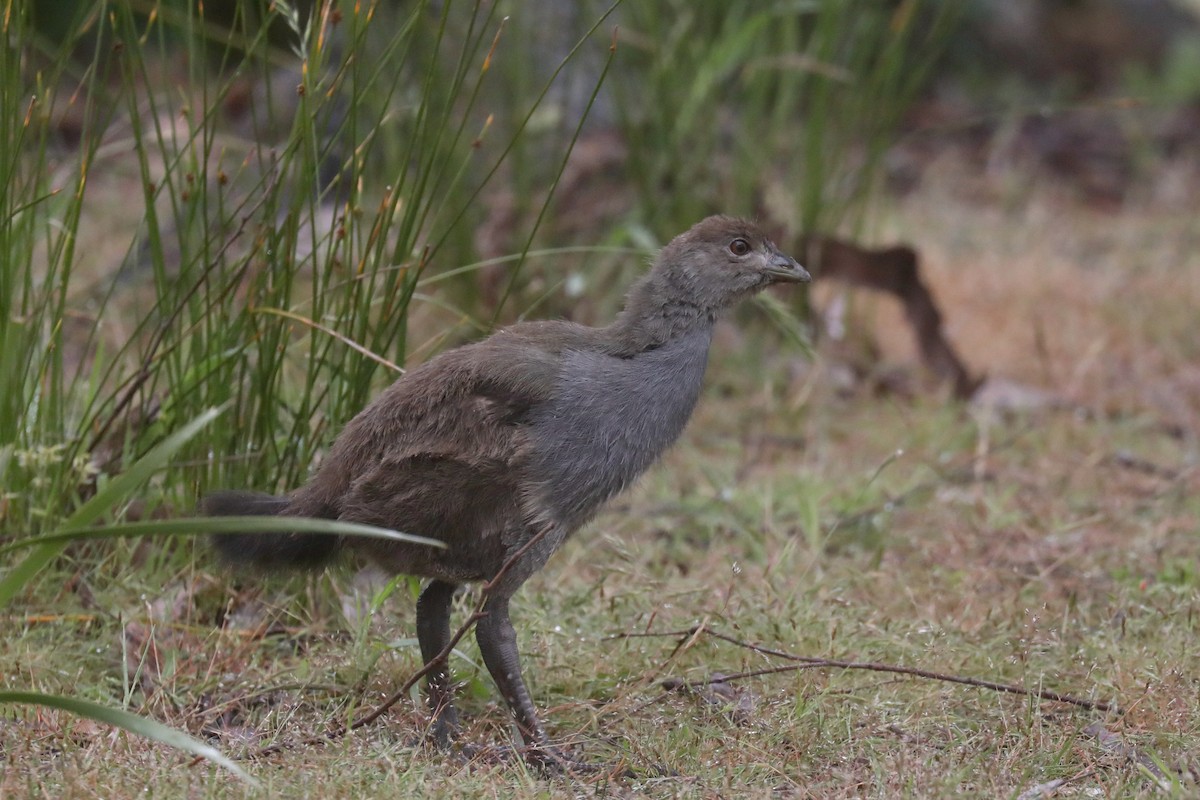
(739, 247)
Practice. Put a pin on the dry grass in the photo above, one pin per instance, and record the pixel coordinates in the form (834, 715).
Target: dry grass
(1052, 548)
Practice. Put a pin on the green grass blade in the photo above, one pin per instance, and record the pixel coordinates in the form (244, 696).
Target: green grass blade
(119, 488)
(132, 723)
(217, 525)
(785, 319)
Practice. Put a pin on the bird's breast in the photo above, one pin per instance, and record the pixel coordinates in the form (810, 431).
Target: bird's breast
(610, 419)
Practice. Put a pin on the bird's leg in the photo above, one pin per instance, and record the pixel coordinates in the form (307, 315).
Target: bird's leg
(433, 634)
(498, 646)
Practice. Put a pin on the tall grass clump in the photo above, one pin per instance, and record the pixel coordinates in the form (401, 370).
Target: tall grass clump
(723, 102)
(279, 207)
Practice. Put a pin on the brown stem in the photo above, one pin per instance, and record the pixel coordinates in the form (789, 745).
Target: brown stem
(144, 372)
(810, 662)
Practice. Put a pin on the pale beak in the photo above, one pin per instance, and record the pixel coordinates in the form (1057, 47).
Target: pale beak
(785, 269)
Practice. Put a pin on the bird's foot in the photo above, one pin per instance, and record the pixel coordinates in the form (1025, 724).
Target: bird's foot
(551, 761)
(443, 731)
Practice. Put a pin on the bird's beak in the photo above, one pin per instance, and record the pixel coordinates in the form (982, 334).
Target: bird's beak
(784, 269)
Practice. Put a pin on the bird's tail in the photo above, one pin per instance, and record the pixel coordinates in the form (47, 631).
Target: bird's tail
(266, 550)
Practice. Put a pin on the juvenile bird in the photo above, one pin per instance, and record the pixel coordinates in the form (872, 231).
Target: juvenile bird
(505, 447)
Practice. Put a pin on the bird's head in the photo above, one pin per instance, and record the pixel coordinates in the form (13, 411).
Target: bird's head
(721, 260)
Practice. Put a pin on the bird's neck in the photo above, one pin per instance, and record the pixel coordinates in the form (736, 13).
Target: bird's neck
(655, 314)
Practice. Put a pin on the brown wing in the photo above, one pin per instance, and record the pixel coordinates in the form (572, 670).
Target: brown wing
(468, 504)
(449, 433)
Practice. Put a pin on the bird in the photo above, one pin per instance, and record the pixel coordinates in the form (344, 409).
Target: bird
(504, 447)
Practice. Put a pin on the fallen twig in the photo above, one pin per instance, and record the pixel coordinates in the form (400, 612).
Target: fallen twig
(717, 692)
(810, 662)
(895, 271)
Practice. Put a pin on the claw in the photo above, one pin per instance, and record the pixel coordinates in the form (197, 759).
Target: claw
(444, 728)
(551, 761)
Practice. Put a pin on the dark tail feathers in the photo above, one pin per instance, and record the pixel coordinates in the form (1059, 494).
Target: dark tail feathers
(266, 550)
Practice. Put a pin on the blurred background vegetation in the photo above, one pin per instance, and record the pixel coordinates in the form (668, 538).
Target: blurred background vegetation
(269, 208)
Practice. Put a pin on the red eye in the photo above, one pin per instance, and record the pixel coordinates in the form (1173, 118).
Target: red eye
(739, 247)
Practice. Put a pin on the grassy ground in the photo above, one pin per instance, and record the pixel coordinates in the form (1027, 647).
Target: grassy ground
(1053, 547)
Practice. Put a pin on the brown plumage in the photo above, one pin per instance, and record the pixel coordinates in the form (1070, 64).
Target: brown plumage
(515, 442)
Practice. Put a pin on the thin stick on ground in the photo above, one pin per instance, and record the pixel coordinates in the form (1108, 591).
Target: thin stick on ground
(810, 662)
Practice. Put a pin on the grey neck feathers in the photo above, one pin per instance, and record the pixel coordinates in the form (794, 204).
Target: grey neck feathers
(656, 312)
